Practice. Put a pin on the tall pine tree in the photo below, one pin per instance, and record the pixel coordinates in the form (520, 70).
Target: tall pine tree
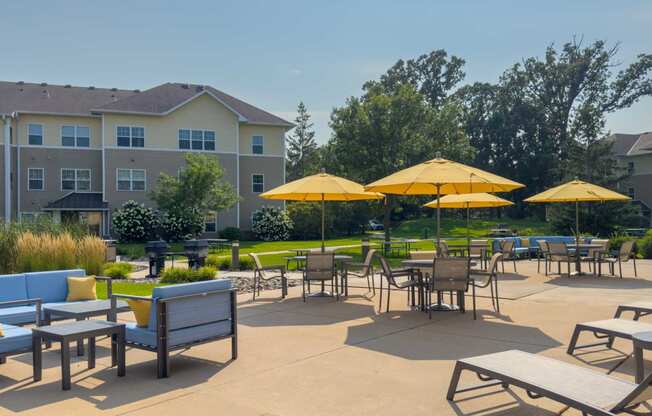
(302, 157)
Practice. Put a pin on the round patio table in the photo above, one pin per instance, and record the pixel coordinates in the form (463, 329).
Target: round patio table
(341, 260)
(424, 264)
(578, 261)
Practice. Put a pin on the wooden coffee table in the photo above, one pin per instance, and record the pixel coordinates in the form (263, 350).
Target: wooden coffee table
(77, 331)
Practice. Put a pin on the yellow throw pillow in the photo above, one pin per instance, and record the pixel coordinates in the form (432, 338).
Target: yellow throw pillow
(81, 288)
(2, 334)
(140, 308)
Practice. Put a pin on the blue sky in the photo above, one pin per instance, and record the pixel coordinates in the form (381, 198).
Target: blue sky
(276, 53)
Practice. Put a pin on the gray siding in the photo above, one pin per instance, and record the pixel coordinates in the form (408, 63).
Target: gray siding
(155, 162)
(272, 169)
(52, 161)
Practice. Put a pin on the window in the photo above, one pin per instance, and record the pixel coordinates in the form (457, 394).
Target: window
(78, 180)
(75, 136)
(631, 192)
(35, 179)
(210, 222)
(35, 134)
(630, 168)
(130, 136)
(27, 217)
(257, 183)
(131, 180)
(257, 145)
(196, 139)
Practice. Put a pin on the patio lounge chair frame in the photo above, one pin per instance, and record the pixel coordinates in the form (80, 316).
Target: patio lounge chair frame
(260, 275)
(638, 308)
(506, 377)
(162, 349)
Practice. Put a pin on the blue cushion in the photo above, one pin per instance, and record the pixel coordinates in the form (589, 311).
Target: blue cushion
(189, 312)
(18, 315)
(12, 287)
(180, 336)
(15, 338)
(50, 286)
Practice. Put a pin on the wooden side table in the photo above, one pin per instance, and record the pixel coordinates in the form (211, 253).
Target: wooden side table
(77, 331)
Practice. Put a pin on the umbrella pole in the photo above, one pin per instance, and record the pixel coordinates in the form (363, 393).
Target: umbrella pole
(468, 228)
(438, 212)
(323, 248)
(577, 222)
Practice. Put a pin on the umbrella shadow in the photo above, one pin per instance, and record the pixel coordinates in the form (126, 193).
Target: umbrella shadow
(604, 282)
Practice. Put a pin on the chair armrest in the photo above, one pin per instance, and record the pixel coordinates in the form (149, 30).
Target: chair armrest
(117, 296)
(272, 267)
(36, 301)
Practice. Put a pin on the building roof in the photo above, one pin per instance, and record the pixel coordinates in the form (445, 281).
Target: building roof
(78, 201)
(631, 144)
(159, 100)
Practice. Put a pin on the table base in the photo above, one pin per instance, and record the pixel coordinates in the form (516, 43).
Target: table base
(443, 307)
(320, 295)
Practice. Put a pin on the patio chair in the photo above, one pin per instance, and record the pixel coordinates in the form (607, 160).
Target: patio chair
(442, 249)
(450, 275)
(478, 249)
(182, 316)
(584, 389)
(260, 275)
(392, 276)
(559, 253)
(320, 267)
(593, 255)
(625, 253)
(489, 278)
(364, 270)
(544, 253)
(17, 340)
(508, 248)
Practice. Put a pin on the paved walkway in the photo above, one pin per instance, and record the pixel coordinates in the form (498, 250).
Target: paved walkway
(324, 357)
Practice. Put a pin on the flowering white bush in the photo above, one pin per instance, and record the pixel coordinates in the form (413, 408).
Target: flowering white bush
(272, 224)
(135, 222)
(178, 226)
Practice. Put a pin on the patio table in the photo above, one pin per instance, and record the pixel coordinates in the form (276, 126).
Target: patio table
(578, 263)
(340, 259)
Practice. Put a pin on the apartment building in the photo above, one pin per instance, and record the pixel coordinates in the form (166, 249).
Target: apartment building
(634, 153)
(78, 153)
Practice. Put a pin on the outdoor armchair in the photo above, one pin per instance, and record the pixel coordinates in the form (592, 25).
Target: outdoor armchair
(320, 267)
(450, 274)
(404, 278)
(508, 248)
(544, 253)
(364, 270)
(489, 278)
(17, 340)
(261, 274)
(625, 253)
(559, 253)
(593, 255)
(182, 316)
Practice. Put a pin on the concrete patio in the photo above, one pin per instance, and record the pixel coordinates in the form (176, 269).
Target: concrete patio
(342, 358)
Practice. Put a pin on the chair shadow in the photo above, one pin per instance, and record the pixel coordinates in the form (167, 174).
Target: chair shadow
(102, 388)
(52, 356)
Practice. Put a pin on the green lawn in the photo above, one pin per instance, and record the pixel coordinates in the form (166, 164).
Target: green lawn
(124, 287)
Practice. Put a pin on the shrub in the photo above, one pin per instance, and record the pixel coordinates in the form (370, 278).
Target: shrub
(178, 226)
(45, 252)
(91, 252)
(645, 245)
(271, 224)
(230, 233)
(224, 263)
(134, 222)
(117, 270)
(616, 240)
(175, 275)
(306, 218)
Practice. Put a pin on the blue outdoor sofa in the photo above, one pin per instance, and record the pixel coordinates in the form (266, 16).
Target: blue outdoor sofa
(532, 249)
(182, 316)
(30, 292)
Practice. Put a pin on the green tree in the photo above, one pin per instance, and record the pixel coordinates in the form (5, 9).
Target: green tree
(199, 188)
(302, 155)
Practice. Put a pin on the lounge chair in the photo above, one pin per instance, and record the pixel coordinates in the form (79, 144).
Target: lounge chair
(489, 278)
(260, 274)
(586, 390)
(640, 308)
(607, 329)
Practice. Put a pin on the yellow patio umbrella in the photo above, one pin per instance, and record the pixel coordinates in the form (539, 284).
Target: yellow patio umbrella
(468, 201)
(441, 177)
(577, 191)
(321, 187)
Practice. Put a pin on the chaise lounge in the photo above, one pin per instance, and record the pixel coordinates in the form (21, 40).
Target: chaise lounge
(586, 390)
(182, 316)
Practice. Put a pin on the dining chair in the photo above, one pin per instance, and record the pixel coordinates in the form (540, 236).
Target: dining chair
(558, 252)
(320, 267)
(261, 274)
(478, 249)
(442, 249)
(544, 253)
(450, 274)
(625, 253)
(364, 270)
(393, 277)
(593, 254)
(507, 247)
(489, 278)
